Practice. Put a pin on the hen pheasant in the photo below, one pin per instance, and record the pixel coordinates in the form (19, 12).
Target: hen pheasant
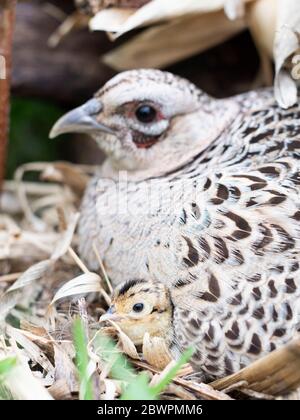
(201, 195)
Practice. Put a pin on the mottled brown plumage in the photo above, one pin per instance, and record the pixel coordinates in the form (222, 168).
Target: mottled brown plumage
(202, 196)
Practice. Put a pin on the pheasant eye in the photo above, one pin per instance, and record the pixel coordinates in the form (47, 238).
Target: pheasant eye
(138, 307)
(145, 113)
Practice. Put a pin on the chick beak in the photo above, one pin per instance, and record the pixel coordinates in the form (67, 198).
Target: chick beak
(81, 120)
(110, 315)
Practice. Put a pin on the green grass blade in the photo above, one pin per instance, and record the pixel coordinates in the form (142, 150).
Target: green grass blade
(184, 358)
(139, 389)
(120, 367)
(82, 360)
(5, 393)
(137, 386)
(6, 366)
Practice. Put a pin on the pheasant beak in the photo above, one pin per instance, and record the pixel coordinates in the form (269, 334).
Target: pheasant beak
(81, 120)
(111, 315)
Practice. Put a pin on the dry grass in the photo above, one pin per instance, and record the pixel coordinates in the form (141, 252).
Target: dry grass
(42, 284)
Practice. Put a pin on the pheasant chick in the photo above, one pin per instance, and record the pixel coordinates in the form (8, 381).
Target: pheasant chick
(138, 307)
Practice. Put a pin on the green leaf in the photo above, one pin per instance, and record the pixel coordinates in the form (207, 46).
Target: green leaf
(82, 359)
(139, 389)
(120, 369)
(184, 358)
(7, 365)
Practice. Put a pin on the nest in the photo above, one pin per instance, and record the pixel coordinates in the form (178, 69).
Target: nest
(44, 286)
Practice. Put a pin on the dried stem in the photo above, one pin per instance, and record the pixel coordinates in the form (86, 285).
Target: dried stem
(7, 18)
(82, 309)
(102, 268)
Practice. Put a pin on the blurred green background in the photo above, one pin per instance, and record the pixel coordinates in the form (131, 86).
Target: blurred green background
(31, 121)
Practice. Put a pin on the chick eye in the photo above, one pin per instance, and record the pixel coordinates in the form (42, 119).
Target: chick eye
(138, 307)
(146, 113)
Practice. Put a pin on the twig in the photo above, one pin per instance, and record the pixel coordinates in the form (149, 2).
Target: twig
(102, 268)
(7, 18)
(180, 392)
(202, 390)
(78, 261)
(71, 22)
(54, 11)
(10, 277)
(257, 395)
(33, 188)
(235, 387)
(62, 222)
(72, 253)
(63, 225)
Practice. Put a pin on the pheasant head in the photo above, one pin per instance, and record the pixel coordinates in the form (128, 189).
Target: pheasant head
(138, 307)
(149, 120)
